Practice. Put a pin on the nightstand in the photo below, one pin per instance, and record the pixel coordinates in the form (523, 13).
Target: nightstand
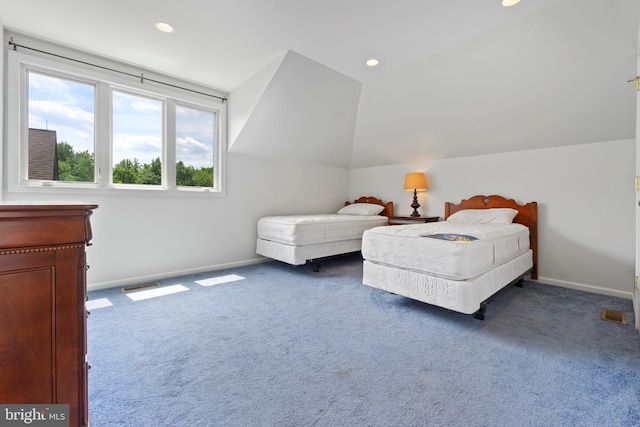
(401, 220)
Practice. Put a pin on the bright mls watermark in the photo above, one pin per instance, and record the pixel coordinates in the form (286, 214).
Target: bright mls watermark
(34, 415)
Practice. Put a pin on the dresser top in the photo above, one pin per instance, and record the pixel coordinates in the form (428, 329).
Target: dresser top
(45, 206)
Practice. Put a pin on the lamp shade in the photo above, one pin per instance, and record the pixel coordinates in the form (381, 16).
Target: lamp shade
(415, 181)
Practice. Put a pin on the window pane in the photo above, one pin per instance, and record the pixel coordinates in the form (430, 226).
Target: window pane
(61, 137)
(195, 130)
(137, 139)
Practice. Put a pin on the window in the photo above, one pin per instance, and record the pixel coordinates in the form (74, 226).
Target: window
(61, 129)
(137, 139)
(195, 133)
(80, 129)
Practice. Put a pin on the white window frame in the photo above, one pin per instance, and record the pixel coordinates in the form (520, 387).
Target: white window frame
(16, 161)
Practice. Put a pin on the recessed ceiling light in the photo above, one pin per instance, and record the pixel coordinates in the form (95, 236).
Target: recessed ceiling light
(507, 3)
(372, 62)
(165, 27)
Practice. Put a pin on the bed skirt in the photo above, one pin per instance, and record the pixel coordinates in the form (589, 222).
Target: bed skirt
(298, 255)
(464, 296)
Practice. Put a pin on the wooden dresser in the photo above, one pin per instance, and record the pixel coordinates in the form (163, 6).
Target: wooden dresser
(43, 319)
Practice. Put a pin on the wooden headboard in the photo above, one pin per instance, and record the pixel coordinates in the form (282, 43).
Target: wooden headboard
(527, 215)
(388, 207)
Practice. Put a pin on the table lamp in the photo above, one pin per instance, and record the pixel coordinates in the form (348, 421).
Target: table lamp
(415, 181)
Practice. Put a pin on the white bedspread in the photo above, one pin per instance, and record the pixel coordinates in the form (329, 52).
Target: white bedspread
(313, 229)
(407, 247)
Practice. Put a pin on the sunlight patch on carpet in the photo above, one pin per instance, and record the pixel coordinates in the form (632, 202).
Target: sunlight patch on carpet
(219, 280)
(158, 292)
(98, 303)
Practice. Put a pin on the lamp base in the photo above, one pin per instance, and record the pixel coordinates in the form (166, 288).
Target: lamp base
(415, 205)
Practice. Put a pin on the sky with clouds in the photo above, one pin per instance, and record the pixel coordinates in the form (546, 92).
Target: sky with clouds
(68, 108)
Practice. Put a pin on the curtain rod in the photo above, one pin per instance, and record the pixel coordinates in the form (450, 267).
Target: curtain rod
(141, 76)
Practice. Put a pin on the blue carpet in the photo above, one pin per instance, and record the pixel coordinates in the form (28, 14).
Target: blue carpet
(286, 346)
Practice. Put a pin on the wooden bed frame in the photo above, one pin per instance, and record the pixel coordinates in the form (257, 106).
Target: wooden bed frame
(527, 215)
(388, 207)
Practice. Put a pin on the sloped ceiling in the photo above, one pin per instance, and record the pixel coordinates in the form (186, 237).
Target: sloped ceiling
(306, 112)
(557, 77)
(222, 43)
(457, 78)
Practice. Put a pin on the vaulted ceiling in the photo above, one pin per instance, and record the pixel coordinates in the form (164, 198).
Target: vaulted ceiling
(557, 77)
(456, 78)
(221, 43)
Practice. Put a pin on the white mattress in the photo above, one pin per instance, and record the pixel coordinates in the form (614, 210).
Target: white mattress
(313, 229)
(463, 296)
(407, 247)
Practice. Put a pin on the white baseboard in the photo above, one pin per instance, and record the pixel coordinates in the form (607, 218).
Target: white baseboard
(169, 274)
(587, 288)
(636, 310)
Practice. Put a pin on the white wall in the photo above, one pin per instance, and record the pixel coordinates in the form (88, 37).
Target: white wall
(140, 238)
(145, 235)
(585, 195)
(2, 88)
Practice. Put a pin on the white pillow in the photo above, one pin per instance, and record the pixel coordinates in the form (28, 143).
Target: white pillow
(361, 209)
(484, 216)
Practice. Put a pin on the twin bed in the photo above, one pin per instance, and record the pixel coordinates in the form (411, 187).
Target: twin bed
(296, 239)
(484, 244)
